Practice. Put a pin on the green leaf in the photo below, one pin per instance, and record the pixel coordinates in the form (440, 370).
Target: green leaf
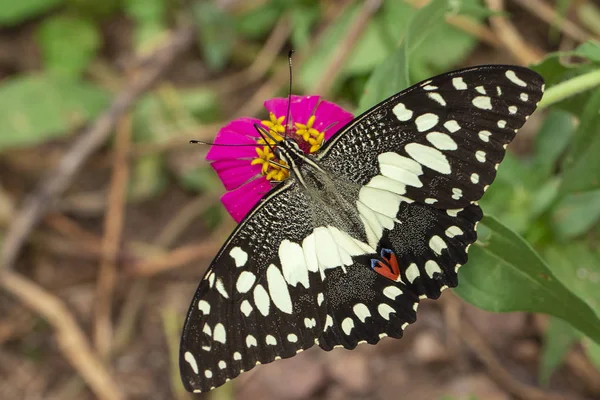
(577, 267)
(505, 274)
(581, 164)
(558, 339)
(393, 74)
(215, 33)
(576, 213)
(38, 108)
(257, 22)
(13, 12)
(589, 50)
(150, 18)
(551, 141)
(68, 44)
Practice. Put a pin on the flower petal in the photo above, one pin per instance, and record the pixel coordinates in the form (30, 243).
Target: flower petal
(239, 131)
(240, 201)
(234, 173)
(331, 116)
(301, 107)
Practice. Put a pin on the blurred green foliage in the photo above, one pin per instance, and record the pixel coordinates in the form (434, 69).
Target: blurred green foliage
(538, 249)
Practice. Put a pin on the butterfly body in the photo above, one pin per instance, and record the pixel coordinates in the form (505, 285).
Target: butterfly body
(342, 251)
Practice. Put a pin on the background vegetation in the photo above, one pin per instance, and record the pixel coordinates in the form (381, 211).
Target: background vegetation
(108, 218)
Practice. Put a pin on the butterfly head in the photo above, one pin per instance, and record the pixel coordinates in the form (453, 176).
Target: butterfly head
(289, 150)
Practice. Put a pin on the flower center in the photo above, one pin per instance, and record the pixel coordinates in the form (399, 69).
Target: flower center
(309, 140)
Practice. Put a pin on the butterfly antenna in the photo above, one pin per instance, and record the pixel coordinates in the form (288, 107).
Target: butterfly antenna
(220, 144)
(289, 108)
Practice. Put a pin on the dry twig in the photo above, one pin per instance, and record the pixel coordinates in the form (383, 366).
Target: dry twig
(43, 197)
(546, 13)
(113, 226)
(69, 336)
(510, 37)
(344, 49)
(476, 342)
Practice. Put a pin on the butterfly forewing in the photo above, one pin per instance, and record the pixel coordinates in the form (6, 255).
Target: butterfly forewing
(347, 260)
(440, 141)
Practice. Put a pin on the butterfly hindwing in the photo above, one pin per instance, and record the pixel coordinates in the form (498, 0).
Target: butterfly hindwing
(438, 142)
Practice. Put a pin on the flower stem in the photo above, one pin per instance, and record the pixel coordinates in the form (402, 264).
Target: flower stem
(570, 88)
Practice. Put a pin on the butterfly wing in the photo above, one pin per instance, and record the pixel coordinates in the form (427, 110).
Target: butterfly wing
(424, 157)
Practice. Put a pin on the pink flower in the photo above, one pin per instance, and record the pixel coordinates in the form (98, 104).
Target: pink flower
(247, 171)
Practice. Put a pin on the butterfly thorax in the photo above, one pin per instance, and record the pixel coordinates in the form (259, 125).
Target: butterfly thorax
(332, 198)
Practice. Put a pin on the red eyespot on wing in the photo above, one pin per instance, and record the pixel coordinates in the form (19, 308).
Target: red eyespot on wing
(389, 267)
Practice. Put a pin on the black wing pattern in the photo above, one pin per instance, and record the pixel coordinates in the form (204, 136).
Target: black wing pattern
(255, 306)
(416, 165)
(436, 147)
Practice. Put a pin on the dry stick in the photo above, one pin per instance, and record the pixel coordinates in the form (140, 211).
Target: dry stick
(546, 13)
(70, 338)
(510, 37)
(475, 341)
(344, 49)
(113, 227)
(38, 202)
(474, 28)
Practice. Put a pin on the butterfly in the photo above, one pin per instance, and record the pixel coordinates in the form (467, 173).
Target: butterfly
(342, 251)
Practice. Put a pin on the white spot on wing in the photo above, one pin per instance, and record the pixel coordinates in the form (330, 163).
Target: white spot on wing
(512, 76)
(441, 141)
(512, 109)
(453, 231)
(293, 264)
(392, 292)
(245, 281)
(412, 272)
(237, 356)
(385, 310)
(204, 307)
(208, 373)
(429, 157)
(222, 364)
(240, 257)
(480, 89)
(278, 290)
(347, 325)
(483, 102)
(432, 267)
(251, 341)
(361, 311)
(221, 288)
(474, 178)
(456, 193)
(458, 83)
(292, 338)
(401, 112)
(261, 299)
(320, 298)
(189, 357)
(426, 121)
(484, 136)
(452, 126)
(219, 334)
(437, 98)
(524, 97)
(309, 247)
(246, 308)
(437, 244)
(480, 155)
(270, 340)
(310, 323)
(501, 123)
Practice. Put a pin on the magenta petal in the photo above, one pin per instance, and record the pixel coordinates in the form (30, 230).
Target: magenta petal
(301, 107)
(235, 173)
(238, 132)
(240, 201)
(331, 116)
